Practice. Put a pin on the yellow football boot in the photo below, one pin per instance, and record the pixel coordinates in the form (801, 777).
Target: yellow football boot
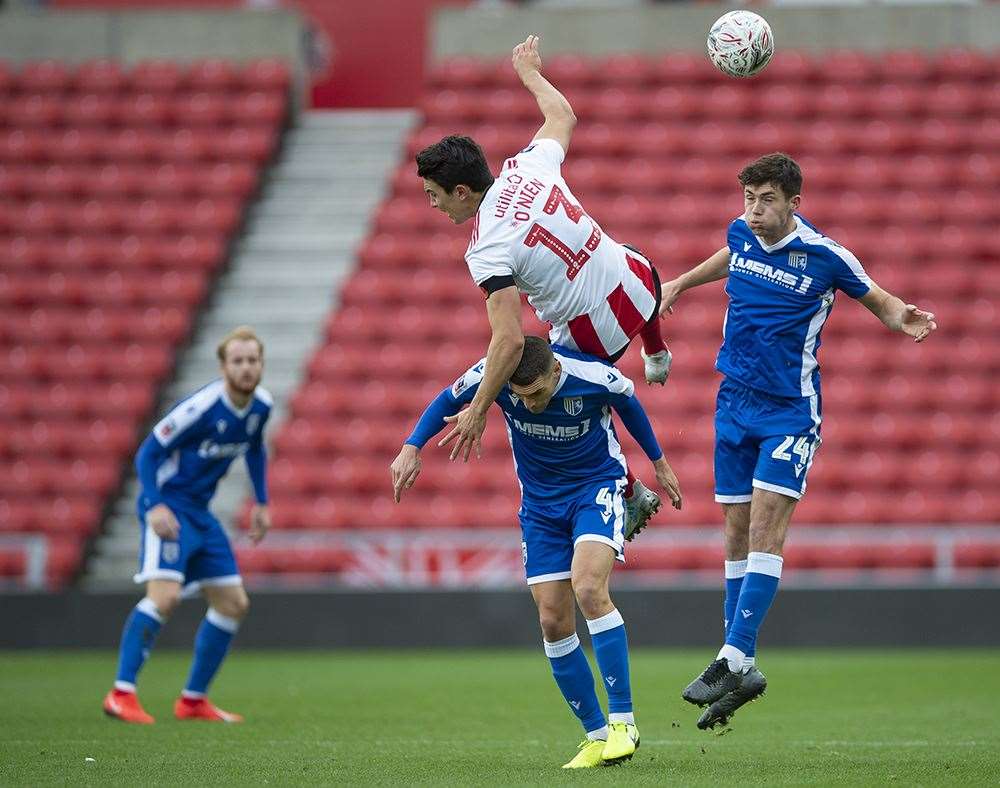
(623, 741)
(589, 755)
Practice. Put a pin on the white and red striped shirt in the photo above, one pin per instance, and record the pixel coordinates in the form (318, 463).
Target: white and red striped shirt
(596, 293)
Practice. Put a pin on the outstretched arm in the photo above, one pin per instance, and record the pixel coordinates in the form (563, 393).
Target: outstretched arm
(503, 308)
(634, 417)
(898, 316)
(406, 467)
(714, 268)
(558, 114)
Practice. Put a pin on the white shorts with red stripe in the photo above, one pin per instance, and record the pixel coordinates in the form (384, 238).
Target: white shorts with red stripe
(608, 329)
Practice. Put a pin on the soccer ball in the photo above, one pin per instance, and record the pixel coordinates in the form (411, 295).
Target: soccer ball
(740, 43)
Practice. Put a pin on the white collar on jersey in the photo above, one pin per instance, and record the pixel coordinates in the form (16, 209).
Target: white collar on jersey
(784, 241)
(229, 404)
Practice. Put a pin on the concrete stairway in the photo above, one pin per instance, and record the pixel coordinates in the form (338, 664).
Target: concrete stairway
(299, 245)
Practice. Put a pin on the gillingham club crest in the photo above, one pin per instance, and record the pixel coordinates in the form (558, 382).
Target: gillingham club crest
(797, 260)
(573, 405)
(171, 552)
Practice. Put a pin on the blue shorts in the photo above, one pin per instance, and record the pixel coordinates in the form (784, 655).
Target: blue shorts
(763, 441)
(550, 532)
(200, 556)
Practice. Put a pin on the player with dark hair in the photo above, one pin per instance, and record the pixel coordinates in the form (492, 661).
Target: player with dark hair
(782, 276)
(557, 405)
(183, 547)
(530, 235)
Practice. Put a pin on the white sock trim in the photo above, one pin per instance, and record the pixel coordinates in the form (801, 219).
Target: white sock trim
(749, 662)
(225, 623)
(148, 606)
(733, 656)
(736, 569)
(601, 734)
(125, 686)
(192, 695)
(622, 716)
(765, 564)
(604, 623)
(562, 647)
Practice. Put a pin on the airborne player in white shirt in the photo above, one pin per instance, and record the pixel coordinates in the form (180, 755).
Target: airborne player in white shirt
(530, 235)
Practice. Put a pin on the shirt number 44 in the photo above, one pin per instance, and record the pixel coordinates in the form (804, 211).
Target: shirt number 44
(539, 235)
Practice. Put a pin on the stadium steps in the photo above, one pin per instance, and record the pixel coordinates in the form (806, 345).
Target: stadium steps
(298, 245)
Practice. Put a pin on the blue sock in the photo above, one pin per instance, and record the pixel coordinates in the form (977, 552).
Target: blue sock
(735, 570)
(607, 633)
(576, 681)
(210, 647)
(759, 587)
(138, 636)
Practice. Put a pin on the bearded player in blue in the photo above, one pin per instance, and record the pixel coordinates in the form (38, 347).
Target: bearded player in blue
(557, 405)
(183, 547)
(782, 277)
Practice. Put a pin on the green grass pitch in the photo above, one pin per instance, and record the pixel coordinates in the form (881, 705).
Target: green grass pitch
(495, 718)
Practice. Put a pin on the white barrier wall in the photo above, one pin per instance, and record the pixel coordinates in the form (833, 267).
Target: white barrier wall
(490, 31)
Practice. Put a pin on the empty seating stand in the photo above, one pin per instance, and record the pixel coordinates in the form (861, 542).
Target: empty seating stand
(120, 191)
(901, 157)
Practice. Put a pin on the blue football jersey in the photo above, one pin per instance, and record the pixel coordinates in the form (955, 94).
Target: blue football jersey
(779, 298)
(572, 442)
(200, 437)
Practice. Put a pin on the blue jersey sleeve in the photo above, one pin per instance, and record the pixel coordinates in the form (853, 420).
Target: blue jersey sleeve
(256, 460)
(848, 273)
(447, 403)
(179, 427)
(634, 417)
(148, 459)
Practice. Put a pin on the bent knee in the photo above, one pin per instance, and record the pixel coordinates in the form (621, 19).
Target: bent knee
(165, 599)
(234, 604)
(240, 604)
(592, 597)
(764, 538)
(555, 624)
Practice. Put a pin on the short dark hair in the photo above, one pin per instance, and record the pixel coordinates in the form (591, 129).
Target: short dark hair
(777, 168)
(455, 160)
(536, 360)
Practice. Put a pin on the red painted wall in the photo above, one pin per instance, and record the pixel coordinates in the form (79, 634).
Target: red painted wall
(378, 47)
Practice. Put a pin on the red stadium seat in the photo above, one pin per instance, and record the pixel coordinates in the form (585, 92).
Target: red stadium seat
(849, 67)
(791, 67)
(256, 108)
(46, 76)
(906, 66)
(155, 76)
(6, 78)
(199, 109)
(963, 64)
(106, 253)
(685, 69)
(629, 71)
(34, 110)
(214, 76)
(100, 76)
(268, 75)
